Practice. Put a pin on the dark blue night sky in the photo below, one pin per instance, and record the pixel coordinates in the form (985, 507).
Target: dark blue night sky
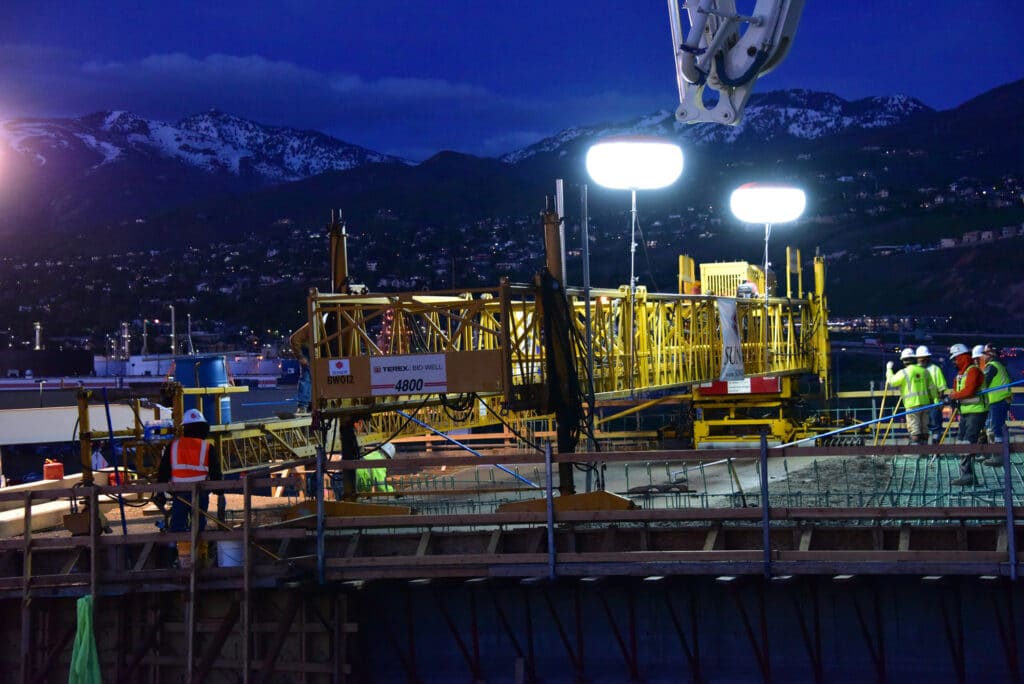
(413, 78)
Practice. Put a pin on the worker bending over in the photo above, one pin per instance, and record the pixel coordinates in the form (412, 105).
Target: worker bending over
(375, 479)
(917, 389)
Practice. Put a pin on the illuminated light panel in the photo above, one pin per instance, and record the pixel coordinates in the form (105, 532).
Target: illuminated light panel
(767, 203)
(634, 162)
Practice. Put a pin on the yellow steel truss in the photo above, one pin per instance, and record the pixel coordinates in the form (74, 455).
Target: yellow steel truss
(490, 345)
(489, 342)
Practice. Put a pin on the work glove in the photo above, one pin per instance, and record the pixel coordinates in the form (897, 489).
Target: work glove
(888, 366)
(952, 403)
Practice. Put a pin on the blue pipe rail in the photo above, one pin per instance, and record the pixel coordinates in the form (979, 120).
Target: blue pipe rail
(894, 416)
(467, 448)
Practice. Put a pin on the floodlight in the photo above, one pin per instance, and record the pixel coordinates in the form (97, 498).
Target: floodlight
(767, 203)
(764, 203)
(634, 162)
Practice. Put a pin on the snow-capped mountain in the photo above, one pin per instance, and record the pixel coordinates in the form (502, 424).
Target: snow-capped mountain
(774, 116)
(213, 142)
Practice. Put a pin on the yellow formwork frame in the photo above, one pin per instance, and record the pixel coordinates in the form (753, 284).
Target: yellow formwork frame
(493, 346)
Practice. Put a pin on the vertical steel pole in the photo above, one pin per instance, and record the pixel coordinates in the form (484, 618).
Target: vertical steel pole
(766, 539)
(767, 234)
(589, 333)
(560, 210)
(320, 457)
(1011, 540)
(632, 292)
(549, 494)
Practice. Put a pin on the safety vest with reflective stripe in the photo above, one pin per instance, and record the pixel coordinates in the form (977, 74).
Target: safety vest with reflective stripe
(938, 377)
(1002, 377)
(368, 478)
(915, 385)
(190, 459)
(975, 404)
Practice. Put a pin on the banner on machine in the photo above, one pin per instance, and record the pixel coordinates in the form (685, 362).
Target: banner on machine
(732, 349)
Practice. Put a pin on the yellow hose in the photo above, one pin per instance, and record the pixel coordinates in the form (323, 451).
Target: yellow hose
(881, 410)
(892, 418)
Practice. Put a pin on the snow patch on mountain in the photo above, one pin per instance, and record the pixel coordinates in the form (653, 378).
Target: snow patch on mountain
(213, 141)
(110, 152)
(776, 115)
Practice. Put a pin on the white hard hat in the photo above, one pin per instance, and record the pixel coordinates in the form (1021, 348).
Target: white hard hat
(922, 351)
(193, 416)
(388, 448)
(958, 349)
(978, 351)
(907, 354)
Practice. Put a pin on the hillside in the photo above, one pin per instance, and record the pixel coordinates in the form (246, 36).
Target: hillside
(883, 175)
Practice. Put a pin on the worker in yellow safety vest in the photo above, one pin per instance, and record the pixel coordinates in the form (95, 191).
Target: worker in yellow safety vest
(999, 400)
(966, 394)
(917, 389)
(375, 479)
(924, 359)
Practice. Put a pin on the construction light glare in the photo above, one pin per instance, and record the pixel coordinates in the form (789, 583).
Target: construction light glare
(634, 162)
(763, 203)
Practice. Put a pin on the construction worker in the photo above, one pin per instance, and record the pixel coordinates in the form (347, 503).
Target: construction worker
(375, 479)
(917, 389)
(189, 458)
(999, 400)
(970, 381)
(924, 359)
(299, 343)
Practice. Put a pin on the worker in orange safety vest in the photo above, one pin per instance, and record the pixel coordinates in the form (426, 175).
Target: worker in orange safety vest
(189, 458)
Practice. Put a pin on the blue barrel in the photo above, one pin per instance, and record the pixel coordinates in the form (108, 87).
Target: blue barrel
(205, 371)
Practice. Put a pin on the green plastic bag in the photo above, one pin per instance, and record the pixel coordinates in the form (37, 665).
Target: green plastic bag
(85, 661)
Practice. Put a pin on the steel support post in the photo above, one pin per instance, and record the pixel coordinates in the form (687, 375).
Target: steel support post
(27, 640)
(692, 654)
(812, 642)
(1008, 630)
(876, 648)
(760, 649)
(550, 509)
(193, 574)
(953, 627)
(246, 608)
(506, 626)
(575, 655)
(410, 623)
(1011, 533)
(629, 651)
(320, 559)
(472, 658)
(766, 530)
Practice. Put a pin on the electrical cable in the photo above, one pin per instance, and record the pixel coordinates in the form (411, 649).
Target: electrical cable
(512, 429)
(647, 257)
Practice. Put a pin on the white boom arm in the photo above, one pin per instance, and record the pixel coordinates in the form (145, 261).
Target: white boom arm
(716, 54)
